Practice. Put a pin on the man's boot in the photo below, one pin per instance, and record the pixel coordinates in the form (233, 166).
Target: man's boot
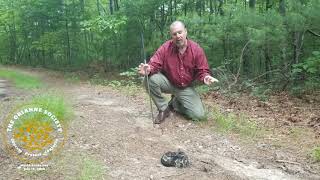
(162, 116)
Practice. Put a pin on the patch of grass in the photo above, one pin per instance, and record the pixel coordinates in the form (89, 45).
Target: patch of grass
(72, 77)
(230, 122)
(51, 102)
(20, 80)
(54, 103)
(91, 169)
(316, 153)
(97, 79)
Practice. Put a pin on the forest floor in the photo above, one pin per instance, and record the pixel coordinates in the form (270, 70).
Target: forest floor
(112, 136)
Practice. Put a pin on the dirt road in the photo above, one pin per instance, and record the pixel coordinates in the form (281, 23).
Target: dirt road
(112, 137)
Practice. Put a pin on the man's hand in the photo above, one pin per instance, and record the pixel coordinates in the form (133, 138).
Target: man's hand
(209, 80)
(144, 69)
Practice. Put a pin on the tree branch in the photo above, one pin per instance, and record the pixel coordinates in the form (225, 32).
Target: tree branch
(314, 33)
(236, 77)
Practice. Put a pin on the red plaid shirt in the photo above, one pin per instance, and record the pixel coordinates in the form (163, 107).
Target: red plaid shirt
(181, 70)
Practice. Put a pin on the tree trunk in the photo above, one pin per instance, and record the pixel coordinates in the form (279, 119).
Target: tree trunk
(220, 7)
(252, 4)
(68, 53)
(267, 61)
(13, 44)
(98, 7)
(215, 7)
(81, 5)
(211, 7)
(244, 61)
(85, 32)
(13, 40)
(175, 8)
(171, 10)
(116, 5)
(163, 20)
(268, 5)
(282, 7)
(298, 42)
(43, 53)
(198, 8)
(111, 6)
(107, 64)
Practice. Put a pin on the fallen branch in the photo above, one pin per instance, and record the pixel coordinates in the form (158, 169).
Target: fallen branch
(207, 163)
(290, 162)
(261, 75)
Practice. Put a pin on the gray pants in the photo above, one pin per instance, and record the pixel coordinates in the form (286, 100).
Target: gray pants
(186, 101)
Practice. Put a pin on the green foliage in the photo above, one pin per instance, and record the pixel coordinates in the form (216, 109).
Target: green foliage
(131, 73)
(261, 92)
(308, 71)
(311, 66)
(54, 103)
(114, 83)
(234, 123)
(51, 102)
(20, 80)
(203, 89)
(131, 76)
(316, 153)
(91, 169)
(111, 24)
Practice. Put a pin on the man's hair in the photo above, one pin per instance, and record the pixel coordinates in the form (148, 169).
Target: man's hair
(177, 22)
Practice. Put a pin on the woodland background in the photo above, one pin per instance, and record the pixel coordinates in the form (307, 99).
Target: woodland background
(250, 44)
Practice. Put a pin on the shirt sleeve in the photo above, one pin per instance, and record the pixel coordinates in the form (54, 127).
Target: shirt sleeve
(156, 61)
(202, 67)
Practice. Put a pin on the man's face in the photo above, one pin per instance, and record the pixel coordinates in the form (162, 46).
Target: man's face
(179, 35)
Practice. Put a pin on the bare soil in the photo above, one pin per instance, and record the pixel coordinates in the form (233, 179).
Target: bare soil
(113, 133)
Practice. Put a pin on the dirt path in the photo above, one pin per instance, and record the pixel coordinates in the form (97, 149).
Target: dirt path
(112, 137)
